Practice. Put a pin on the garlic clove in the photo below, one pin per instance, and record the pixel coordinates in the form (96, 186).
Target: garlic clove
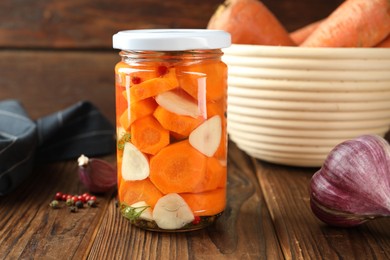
(97, 175)
(172, 212)
(135, 165)
(353, 185)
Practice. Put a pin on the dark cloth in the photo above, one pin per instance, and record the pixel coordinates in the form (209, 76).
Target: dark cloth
(63, 135)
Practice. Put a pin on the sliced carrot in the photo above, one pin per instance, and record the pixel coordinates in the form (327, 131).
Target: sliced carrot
(124, 119)
(154, 86)
(131, 192)
(148, 135)
(137, 110)
(178, 168)
(207, 203)
(182, 125)
(300, 35)
(121, 103)
(215, 176)
(355, 23)
(132, 74)
(204, 81)
(249, 22)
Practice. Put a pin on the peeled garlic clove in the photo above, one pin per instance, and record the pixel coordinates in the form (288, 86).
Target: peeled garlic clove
(172, 212)
(353, 185)
(97, 175)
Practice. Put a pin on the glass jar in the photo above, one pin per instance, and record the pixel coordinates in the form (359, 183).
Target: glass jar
(171, 89)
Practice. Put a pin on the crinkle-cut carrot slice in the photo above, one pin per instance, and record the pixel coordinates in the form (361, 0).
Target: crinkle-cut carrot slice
(137, 110)
(178, 168)
(154, 86)
(148, 135)
(206, 80)
(131, 192)
(214, 177)
(207, 203)
(182, 125)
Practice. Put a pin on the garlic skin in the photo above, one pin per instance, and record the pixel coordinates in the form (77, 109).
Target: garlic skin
(353, 185)
(97, 175)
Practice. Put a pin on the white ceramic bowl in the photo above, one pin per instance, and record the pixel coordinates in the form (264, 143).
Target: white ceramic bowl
(292, 105)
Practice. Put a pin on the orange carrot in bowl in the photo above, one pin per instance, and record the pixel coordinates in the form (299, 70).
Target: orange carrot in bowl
(385, 43)
(178, 168)
(301, 34)
(249, 22)
(355, 23)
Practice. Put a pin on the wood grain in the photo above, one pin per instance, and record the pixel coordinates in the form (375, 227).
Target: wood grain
(238, 233)
(301, 234)
(91, 23)
(55, 53)
(48, 81)
(29, 228)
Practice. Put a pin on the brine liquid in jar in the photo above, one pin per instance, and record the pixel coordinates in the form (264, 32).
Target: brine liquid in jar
(171, 91)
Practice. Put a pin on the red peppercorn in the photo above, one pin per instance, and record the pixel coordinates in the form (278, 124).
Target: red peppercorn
(136, 80)
(92, 198)
(162, 70)
(196, 220)
(81, 198)
(75, 198)
(64, 196)
(58, 196)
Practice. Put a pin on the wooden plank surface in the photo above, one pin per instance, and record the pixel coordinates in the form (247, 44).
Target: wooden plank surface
(301, 234)
(239, 233)
(55, 53)
(31, 229)
(91, 23)
(47, 81)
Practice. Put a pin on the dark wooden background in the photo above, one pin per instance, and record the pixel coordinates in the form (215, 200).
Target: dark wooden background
(54, 53)
(66, 45)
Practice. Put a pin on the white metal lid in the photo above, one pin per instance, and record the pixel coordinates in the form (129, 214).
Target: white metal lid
(171, 39)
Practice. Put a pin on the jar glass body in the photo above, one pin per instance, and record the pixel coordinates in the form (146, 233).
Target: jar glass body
(171, 138)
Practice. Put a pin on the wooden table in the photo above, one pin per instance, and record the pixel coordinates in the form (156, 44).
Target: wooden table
(268, 214)
(268, 217)
(51, 57)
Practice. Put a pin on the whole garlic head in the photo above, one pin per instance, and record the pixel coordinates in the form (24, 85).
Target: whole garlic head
(353, 185)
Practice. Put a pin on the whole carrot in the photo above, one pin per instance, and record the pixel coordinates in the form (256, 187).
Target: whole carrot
(385, 43)
(355, 23)
(249, 22)
(300, 35)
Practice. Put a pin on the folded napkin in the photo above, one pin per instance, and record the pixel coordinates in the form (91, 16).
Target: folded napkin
(64, 135)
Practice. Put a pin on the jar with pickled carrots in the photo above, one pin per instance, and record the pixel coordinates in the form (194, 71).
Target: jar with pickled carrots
(171, 91)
